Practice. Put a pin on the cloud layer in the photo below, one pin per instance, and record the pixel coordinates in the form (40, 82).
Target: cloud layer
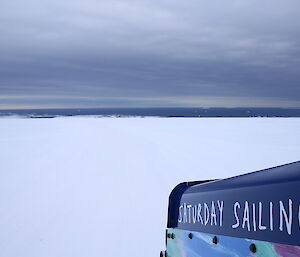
(149, 53)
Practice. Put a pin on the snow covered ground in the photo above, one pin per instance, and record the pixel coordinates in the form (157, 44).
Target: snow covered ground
(85, 187)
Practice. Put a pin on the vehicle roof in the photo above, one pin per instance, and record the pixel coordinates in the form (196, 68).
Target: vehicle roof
(274, 175)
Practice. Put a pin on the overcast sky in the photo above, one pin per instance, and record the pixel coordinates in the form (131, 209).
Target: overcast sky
(140, 53)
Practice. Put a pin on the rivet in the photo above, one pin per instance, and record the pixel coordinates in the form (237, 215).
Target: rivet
(169, 235)
(215, 240)
(172, 235)
(190, 235)
(252, 248)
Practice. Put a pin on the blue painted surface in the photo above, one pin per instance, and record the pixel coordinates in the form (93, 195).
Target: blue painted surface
(266, 204)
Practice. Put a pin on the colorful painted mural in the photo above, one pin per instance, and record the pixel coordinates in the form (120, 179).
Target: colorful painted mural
(184, 243)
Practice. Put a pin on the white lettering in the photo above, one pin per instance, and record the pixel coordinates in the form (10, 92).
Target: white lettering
(220, 206)
(189, 208)
(254, 216)
(260, 226)
(206, 214)
(236, 205)
(180, 215)
(246, 216)
(251, 216)
(271, 217)
(199, 217)
(283, 214)
(213, 214)
(184, 213)
(194, 214)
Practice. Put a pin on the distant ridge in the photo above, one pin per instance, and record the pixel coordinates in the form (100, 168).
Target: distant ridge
(156, 112)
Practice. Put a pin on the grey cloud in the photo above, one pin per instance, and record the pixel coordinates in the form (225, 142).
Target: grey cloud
(150, 53)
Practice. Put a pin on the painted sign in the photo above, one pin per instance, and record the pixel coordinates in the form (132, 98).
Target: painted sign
(266, 207)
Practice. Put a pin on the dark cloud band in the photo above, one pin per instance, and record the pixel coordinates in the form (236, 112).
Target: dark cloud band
(150, 53)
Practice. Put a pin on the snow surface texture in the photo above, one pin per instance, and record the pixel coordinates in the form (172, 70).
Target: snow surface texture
(84, 187)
